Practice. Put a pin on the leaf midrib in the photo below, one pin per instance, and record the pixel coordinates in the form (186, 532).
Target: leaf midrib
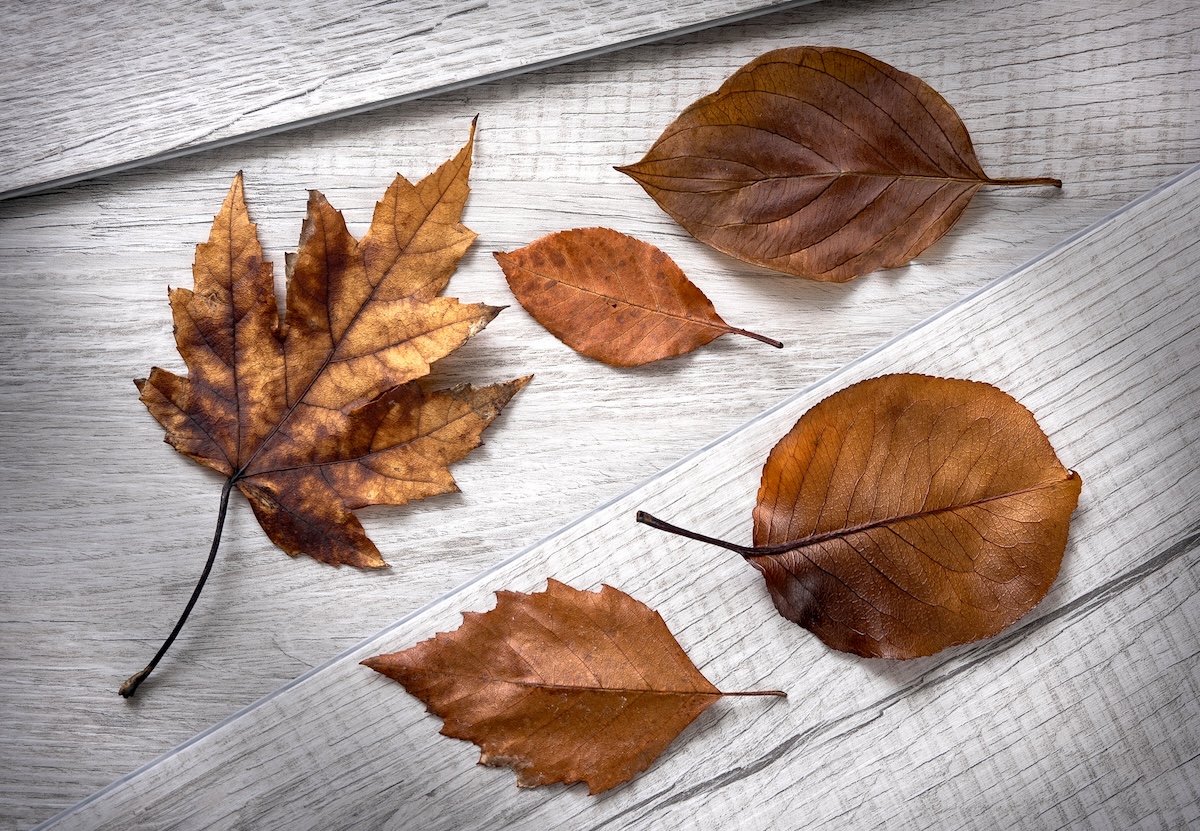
(240, 473)
(866, 174)
(816, 539)
(579, 688)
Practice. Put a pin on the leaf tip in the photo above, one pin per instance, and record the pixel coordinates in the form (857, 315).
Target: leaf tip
(469, 147)
(375, 662)
(237, 189)
(633, 171)
(372, 559)
(488, 314)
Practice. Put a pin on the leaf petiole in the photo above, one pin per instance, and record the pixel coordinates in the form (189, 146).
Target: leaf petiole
(132, 682)
(1026, 182)
(662, 525)
(757, 337)
(775, 693)
(745, 550)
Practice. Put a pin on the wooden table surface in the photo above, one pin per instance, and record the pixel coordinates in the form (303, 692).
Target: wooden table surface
(1084, 714)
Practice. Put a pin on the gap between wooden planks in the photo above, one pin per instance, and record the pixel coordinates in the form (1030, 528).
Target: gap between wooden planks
(1084, 713)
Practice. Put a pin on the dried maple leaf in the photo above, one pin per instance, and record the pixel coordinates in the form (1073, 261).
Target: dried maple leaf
(906, 514)
(561, 686)
(819, 162)
(613, 297)
(318, 415)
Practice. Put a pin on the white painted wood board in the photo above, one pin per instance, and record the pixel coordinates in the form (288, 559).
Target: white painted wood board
(92, 87)
(1082, 714)
(105, 527)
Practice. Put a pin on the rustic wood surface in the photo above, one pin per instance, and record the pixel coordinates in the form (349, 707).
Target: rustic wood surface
(1083, 713)
(101, 86)
(106, 527)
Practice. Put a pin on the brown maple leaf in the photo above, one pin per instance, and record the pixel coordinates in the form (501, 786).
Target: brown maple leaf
(817, 161)
(318, 415)
(906, 514)
(561, 686)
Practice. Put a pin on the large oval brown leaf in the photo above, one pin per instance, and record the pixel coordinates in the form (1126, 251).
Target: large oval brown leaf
(612, 297)
(906, 514)
(819, 162)
(562, 685)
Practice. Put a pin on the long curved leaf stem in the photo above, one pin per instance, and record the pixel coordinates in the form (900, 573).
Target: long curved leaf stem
(132, 682)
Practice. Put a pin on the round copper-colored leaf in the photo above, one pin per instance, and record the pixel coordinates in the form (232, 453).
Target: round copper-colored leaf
(909, 513)
(819, 162)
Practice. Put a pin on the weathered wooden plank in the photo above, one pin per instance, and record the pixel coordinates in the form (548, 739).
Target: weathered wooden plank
(106, 527)
(91, 88)
(1082, 714)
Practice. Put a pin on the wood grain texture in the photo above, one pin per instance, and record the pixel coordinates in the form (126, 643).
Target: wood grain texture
(88, 89)
(106, 527)
(1083, 713)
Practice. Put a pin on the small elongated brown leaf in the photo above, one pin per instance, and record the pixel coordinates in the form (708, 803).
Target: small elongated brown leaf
(819, 162)
(612, 297)
(561, 685)
(906, 514)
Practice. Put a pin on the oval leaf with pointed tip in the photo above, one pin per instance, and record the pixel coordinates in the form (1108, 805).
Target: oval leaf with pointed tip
(612, 297)
(819, 162)
(906, 514)
(561, 686)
